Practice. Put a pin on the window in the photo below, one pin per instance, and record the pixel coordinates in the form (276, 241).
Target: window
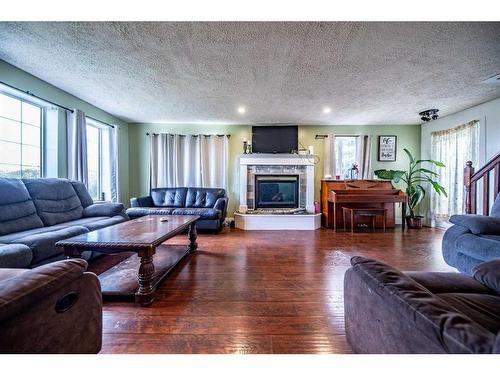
(20, 138)
(345, 155)
(453, 147)
(97, 159)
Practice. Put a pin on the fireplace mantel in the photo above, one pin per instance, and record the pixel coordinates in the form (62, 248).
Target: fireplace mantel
(248, 160)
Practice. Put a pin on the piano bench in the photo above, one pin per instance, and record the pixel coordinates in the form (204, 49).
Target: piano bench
(371, 212)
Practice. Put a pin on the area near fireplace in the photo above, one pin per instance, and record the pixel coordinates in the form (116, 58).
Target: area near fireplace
(277, 193)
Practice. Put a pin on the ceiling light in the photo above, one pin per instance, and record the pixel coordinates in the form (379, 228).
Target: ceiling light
(326, 110)
(429, 114)
(241, 110)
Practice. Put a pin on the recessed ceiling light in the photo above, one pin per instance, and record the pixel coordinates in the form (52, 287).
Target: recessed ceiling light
(241, 110)
(326, 110)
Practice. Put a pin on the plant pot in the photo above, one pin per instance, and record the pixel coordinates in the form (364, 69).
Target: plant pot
(415, 222)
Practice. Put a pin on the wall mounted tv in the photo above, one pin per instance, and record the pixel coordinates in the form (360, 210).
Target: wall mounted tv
(275, 139)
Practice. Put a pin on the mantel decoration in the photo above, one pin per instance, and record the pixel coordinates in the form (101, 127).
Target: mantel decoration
(387, 147)
(414, 177)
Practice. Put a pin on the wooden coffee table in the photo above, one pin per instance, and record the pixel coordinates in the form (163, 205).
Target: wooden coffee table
(137, 276)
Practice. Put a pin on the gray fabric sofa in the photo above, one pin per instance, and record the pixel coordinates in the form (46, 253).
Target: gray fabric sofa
(472, 239)
(208, 203)
(54, 308)
(36, 213)
(387, 311)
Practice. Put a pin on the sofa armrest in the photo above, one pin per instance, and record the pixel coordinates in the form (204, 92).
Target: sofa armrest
(141, 202)
(478, 224)
(21, 291)
(221, 204)
(103, 209)
(15, 255)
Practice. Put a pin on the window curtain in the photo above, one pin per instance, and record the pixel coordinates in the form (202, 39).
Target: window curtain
(113, 191)
(188, 160)
(364, 156)
(329, 156)
(454, 147)
(77, 146)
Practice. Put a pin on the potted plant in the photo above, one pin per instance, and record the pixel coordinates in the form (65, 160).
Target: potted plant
(414, 177)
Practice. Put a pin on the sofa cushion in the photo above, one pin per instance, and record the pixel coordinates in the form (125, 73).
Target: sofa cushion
(488, 274)
(448, 282)
(143, 211)
(169, 197)
(478, 224)
(13, 237)
(483, 309)
(43, 244)
(94, 223)
(55, 200)
(203, 197)
(17, 211)
(15, 256)
(203, 213)
(83, 193)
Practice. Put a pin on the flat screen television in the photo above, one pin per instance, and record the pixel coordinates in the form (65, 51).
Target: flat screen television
(276, 139)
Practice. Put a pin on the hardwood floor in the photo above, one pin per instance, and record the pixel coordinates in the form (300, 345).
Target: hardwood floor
(259, 292)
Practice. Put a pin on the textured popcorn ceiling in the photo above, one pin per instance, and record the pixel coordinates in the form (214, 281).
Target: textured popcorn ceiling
(368, 73)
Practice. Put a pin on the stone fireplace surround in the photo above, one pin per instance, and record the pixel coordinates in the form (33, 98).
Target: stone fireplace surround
(276, 164)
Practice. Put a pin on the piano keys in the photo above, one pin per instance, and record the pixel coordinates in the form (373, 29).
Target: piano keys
(336, 194)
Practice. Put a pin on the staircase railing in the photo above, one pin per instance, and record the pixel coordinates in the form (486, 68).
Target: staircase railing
(471, 179)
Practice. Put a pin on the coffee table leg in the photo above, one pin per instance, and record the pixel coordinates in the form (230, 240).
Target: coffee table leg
(145, 293)
(192, 234)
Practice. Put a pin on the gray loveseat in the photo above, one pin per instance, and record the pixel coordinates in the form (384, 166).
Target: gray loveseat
(208, 203)
(473, 239)
(388, 311)
(36, 213)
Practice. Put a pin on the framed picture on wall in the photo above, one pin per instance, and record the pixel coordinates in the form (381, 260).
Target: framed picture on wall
(387, 147)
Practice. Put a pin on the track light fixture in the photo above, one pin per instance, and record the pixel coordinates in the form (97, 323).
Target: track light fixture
(429, 114)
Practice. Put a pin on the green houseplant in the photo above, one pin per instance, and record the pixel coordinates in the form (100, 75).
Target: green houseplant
(414, 178)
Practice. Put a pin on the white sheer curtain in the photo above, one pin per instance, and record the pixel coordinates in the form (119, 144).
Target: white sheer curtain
(454, 147)
(329, 156)
(111, 176)
(188, 160)
(77, 146)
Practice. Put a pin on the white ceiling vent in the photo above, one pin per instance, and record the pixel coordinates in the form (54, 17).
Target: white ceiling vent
(494, 79)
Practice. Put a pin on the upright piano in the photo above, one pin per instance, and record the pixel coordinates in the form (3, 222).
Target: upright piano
(336, 194)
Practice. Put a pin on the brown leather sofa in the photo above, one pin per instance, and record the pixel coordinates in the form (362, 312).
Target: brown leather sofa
(55, 308)
(388, 311)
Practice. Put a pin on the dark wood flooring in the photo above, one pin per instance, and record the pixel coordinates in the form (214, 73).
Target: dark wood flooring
(259, 292)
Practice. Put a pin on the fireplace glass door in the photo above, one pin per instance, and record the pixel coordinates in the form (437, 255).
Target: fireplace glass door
(276, 191)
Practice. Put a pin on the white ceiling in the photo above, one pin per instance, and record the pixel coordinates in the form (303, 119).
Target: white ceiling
(368, 73)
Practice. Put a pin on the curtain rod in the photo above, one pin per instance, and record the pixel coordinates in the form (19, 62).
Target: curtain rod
(49, 101)
(195, 135)
(36, 96)
(105, 123)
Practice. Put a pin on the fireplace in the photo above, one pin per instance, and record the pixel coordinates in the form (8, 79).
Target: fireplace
(276, 191)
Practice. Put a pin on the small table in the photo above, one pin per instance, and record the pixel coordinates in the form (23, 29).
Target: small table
(137, 276)
(371, 212)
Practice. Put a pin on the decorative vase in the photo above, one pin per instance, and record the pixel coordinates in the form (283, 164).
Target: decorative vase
(415, 222)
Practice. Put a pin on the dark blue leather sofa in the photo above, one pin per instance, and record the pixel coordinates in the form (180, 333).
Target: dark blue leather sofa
(36, 213)
(208, 203)
(472, 239)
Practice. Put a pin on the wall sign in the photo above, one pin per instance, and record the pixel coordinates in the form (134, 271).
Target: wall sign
(387, 147)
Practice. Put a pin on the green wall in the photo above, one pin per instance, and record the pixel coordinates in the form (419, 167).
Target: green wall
(27, 82)
(408, 137)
